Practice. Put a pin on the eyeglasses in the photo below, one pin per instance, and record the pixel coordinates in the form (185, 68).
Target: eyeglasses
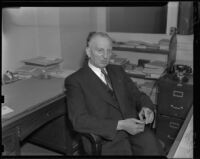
(102, 52)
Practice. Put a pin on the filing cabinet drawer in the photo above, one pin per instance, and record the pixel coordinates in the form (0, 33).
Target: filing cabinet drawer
(174, 99)
(41, 117)
(167, 129)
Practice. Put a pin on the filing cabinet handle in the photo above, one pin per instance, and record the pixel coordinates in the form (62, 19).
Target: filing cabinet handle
(177, 108)
(178, 94)
(171, 138)
(174, 125)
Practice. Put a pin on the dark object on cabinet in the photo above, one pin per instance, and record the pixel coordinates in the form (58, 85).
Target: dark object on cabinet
(181, 73)
(174, 101)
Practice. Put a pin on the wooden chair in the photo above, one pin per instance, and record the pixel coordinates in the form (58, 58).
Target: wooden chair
(95, 144)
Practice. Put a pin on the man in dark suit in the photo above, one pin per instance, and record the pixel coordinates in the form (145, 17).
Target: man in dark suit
(103, 100)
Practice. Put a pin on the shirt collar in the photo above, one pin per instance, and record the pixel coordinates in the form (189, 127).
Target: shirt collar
(95, 69)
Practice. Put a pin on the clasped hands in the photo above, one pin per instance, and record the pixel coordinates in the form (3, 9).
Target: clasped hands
(134, 126)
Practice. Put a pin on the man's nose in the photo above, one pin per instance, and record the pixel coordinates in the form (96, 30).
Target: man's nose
(106, 54)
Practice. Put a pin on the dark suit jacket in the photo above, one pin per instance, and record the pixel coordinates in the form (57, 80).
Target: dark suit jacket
(91, 108)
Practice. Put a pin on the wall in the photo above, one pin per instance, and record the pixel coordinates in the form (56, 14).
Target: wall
(46, 31)
(75, 24)
(17, 42)
(137, 19)
(29, 32)
(53, 31)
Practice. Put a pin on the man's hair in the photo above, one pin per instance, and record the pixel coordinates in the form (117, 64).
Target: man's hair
(92, 35)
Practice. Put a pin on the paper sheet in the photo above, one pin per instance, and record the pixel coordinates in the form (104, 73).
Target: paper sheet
(5, 110)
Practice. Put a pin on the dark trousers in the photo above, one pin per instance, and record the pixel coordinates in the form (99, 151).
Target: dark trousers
(142, 144)
(146, 143)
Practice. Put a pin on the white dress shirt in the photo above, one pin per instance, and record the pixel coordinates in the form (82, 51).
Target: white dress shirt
(97, 71)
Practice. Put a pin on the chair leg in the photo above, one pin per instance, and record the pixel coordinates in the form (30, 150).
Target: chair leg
(96, 150)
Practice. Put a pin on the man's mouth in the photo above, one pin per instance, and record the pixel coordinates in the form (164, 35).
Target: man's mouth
(104, 62)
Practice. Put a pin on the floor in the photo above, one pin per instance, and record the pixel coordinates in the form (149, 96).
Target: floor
(33, 150)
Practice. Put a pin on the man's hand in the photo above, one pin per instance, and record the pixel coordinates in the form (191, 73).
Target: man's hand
(146, 115)
(131, 125)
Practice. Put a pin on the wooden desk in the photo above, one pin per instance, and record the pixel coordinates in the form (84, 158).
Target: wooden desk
(183, 145)
(35, 102)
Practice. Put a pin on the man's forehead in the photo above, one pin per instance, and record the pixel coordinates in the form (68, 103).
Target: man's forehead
(100, 39)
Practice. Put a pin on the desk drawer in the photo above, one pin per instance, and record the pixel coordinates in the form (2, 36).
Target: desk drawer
(167, 129)
(41, 117)
(173, 99)
(10, 141)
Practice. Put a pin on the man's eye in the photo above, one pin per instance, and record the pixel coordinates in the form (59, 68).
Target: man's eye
(109, 51)
(100, 50)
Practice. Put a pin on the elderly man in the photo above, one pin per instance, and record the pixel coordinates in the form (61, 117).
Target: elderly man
(103, 100)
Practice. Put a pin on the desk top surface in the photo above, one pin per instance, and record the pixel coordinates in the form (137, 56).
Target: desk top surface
(25, 95)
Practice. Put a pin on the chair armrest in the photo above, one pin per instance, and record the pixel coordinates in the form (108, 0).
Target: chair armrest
(96, 142)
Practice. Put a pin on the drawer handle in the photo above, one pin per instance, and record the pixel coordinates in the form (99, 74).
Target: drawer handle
(177, 108)
(178, 94)
(174, 125)
(171, 138)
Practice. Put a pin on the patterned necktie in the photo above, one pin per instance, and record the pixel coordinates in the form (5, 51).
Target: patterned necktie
(107, 79)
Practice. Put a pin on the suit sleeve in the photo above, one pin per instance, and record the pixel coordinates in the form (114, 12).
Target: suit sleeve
(81, 120)
(142, 100)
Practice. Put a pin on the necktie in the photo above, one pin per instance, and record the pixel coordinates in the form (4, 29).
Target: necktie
(107, 79)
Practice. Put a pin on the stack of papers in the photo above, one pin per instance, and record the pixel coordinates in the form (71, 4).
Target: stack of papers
(136, 71)
(42, 61)
(118, 61)
(164, 44)
(5, 110)
(155, 68)
(61, 73)
(156, 64)
(158, 71)
(25, 69)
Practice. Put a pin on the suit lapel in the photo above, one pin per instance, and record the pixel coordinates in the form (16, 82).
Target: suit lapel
(99, 87)
(117, 87)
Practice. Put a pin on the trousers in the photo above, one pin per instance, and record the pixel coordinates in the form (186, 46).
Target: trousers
(141, 144)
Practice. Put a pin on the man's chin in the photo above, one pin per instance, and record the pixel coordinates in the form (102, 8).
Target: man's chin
(104, 65)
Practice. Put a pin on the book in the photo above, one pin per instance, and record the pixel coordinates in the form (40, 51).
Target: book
(42, 61)
(156, 64)
(157, 71)
(164, 44)
(118, 61)
(137, 44)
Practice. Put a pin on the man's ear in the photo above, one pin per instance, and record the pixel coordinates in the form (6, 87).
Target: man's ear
(88, 52)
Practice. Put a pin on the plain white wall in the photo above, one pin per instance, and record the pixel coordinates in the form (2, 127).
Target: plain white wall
(47, 31)
(75, 24)
(18, 42)
(29, 32)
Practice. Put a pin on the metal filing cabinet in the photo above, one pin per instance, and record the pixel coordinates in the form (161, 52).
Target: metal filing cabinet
(174, 101)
